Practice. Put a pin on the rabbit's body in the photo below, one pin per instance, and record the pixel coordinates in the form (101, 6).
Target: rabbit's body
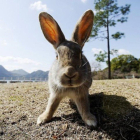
(70, 74)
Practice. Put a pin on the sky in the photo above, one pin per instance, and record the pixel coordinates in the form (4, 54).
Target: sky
(23, 45)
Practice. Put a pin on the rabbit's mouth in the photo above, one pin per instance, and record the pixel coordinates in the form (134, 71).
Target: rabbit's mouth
(71, 83)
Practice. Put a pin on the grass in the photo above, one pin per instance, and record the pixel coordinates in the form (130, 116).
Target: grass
(115, 103)
(114, 106)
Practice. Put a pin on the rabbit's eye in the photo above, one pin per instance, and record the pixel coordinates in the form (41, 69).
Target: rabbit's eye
(56, 56)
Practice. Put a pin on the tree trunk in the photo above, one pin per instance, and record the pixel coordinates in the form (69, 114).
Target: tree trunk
(108, 47)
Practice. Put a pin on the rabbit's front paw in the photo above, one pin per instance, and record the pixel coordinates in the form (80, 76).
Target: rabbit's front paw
(90, 120)
(42, 119)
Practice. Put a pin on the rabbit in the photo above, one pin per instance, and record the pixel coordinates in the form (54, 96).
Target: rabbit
(70, 74)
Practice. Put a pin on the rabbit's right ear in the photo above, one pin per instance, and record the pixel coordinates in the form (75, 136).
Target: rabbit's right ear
(51, 29)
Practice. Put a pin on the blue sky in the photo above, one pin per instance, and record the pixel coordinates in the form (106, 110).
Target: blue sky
(23, 46)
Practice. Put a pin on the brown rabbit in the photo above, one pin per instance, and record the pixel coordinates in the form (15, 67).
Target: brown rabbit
(70, 74)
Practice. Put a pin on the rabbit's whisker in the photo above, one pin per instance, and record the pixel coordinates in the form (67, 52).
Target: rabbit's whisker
(84, 64)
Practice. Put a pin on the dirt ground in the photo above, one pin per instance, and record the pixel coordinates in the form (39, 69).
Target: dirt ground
(115, 103)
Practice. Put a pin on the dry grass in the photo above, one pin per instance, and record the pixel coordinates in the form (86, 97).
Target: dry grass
(115, 103)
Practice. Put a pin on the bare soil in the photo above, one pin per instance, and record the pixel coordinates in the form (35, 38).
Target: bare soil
(115, 103)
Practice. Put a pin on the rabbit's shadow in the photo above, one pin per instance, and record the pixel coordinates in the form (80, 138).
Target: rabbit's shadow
(114, 114)
(103, 106)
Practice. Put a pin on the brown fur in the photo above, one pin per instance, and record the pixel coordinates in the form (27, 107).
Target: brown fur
(70, 74)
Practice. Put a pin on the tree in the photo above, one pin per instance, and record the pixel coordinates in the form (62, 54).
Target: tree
(95, 66)
(125, 63)
(108, 15)
(102, 56)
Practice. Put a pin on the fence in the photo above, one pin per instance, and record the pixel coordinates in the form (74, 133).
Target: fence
(130, 76)
(21, 79)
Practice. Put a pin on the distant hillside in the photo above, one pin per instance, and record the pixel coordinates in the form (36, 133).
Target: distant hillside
(38, 74)
(19, 72)
(4, 72)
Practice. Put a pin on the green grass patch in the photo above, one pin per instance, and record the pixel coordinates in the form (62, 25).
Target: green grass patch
(16, 99)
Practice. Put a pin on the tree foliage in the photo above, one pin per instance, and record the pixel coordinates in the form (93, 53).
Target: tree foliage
(108, 13)
(102, 55)
(125, 63)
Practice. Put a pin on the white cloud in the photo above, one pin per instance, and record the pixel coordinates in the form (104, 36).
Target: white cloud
(96, 51)
(84, 1)
(18, 60)
(4, 43)
(123, 51)
(96, 11)
(39, 6)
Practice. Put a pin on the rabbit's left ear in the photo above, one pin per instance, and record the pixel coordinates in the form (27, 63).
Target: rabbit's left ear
(83, 28)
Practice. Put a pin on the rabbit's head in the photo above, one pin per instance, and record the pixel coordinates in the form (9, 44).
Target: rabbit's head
(70, 65)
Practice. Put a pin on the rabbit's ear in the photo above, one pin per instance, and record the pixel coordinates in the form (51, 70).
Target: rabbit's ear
(83, 28)
(51, 29)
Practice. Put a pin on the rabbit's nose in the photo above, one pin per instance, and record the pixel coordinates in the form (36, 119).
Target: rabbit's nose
(70, 72)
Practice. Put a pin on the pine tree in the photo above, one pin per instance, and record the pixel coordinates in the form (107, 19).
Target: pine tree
(108, 14)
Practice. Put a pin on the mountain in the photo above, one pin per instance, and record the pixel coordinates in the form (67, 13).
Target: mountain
(4, 72)
(38, 74)
(19, 72)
